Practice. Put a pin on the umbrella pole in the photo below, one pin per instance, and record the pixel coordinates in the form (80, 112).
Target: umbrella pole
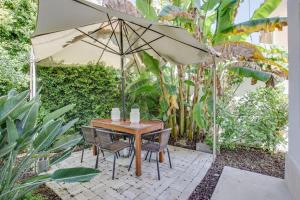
(214, 109)
(32, 74)
(122, 70)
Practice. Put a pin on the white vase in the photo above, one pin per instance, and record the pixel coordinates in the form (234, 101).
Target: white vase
(135, 116)
(115, 115)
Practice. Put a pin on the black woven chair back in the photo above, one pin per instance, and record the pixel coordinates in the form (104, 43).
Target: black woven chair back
(164, 138)
(88, 134)
(104, 137)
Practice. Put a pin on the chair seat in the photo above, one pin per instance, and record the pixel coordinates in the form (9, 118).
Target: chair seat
(153, 147)
(116, 146)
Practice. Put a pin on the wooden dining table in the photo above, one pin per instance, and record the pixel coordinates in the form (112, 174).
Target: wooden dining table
(135, 129)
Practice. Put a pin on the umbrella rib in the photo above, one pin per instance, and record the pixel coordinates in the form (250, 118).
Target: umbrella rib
(171, 37)
(116, 53)
(143, 39)
(139, 36)
(96, 40)
(136, 51)
(126, 35)
(146, 43)
(113, 31)
(149, 28)
(107, 43)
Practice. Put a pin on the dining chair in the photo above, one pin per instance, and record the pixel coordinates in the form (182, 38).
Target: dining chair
(106, 143)
(89, 137)
(157, 147)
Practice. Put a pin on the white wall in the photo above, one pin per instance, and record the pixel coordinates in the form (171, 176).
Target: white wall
(293, 157)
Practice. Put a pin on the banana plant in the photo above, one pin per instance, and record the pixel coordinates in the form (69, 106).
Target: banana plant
(24, 139)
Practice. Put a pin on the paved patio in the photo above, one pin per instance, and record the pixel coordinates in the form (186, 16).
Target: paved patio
(189, 167)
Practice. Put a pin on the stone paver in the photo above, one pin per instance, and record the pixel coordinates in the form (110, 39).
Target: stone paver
(189, 167)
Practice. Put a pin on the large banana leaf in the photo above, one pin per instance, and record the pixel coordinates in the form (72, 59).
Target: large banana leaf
(226, 13)
(198, 116)
(151, 63)
(171, 12)
(209, 4)
(145, 7)
(251, 73)
(265, 9)
(265, 24)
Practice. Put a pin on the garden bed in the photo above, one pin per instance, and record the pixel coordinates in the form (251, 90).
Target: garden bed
(246, 159)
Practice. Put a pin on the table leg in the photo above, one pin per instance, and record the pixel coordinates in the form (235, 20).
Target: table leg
(161, 154)
(138, 156)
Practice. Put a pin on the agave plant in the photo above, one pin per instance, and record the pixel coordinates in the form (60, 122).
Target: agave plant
(24, 139)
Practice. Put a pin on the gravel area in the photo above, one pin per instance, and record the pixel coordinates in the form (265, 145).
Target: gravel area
(246, 159)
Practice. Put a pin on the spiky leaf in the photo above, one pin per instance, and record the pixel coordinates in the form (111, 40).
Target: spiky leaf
(76, 174)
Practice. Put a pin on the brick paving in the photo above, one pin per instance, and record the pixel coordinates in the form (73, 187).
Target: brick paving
(189, 167)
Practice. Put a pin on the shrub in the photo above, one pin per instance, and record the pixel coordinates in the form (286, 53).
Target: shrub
(256, 120)
(24, 140)
(94, 89)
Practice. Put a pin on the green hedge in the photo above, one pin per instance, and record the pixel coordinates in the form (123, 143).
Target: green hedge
(94, 90)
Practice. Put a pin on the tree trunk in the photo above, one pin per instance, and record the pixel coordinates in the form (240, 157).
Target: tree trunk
(181, 99)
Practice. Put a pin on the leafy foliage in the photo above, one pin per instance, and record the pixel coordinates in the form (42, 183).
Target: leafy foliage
(24, 140)
(93, 88)
(258, 119)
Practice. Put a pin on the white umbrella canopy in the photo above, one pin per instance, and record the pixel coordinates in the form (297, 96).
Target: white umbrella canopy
(80, 32)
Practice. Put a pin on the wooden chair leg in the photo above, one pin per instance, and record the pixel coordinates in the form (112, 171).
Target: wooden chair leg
(114, 166)
(169, 158)
(157, 164)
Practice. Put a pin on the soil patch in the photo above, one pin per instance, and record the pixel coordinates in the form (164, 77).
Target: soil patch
(246, 159)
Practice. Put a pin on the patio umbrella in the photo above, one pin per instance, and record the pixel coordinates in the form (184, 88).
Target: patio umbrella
(80, 32)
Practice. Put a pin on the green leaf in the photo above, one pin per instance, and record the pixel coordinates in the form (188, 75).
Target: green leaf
(252, 73)
(151, 63)
(56, 114)
(30, 120)
(265, 24)
(189, 82)
(47, 135)
(12, 131)
(66, 142)
(170, 12)
(198, 116)
(145, 7)
(7, 149)
(209, 5)
(67, 126)
(265, 9)
(225, 18)
(61, 157)
(11, 104)
(77, 174)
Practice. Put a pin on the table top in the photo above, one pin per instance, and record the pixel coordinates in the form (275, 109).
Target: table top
(127, 127)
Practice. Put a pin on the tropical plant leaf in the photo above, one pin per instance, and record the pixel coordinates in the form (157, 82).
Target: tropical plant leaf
(198, 116)
(265, 24)
(226, 13)
(56, 114)
(12, 131)
(77, 174)
(189, 82)
(265, 9)
(65, 142)
(12, 103)
(171, 12)
(31, 118)
(60, 157)
(7, 149)
(145, 7)
(151, 63)
(252, 73)
(209, 5)
(67, 126)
